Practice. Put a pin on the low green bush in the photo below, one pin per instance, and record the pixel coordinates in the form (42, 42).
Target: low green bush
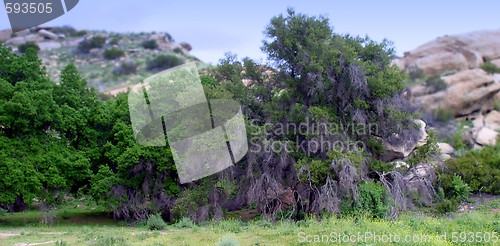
(415, 73)
(126, 68)
(150, 44)
(479, 169)
(95, 42)
(162, 62)
(436, 83)
(113, 53)
(228, 241)
(374, 200)
(23, 47)
(490, 67)
(442, 115)
(155, 222)
(178, 50)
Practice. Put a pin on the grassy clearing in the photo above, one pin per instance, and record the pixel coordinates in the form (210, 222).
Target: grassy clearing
(421, 230)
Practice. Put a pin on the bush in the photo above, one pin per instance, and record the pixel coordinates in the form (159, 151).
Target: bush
(490, 68)
(436, 83)
(480, 170)
(185, 222)
(442, 115)
(113, 53)
(66, 30)
(155, 222)
(163, 62)
(150, 44)
(415, 73)
(81, 33)
(373, 200)
(178, 50)
(23, 47)
(126, 68)
(114, 41)
(228, 241)
(95, 42)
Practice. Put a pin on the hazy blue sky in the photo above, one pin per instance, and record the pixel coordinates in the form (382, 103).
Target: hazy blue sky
(215, 27)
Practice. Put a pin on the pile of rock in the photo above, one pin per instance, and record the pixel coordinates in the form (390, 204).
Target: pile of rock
(41, 35)
(454, 53)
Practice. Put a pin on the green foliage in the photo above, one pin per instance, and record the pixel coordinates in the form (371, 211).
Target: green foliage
(23, 47)
(162, 62)
(442, 115)
(114, 41)
(490, 68)
(460, 189)
(415, 73)
(190, 201)
(67, 30)
(479, 169)
(436, 83)
(95, 42)
(155, 222)
(228, 241)
(423, 153)
(113, 53)
(81, 33)
(149, 44)
(178, 50)
(373, 200)
(184, 222)
(380, 166)
(126, 68)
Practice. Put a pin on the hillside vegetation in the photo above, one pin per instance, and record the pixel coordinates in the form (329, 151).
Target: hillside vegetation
(315, 127)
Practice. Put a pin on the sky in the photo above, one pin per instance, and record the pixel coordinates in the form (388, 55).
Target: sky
(216, 27)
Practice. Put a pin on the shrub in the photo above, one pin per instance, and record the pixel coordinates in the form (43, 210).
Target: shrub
(480, 170)
(425, 152)
(442, 115)
(490, 68)
(380, 166)
(66, 30)
(81, 33)
(373, 200)
(125, 68)
(163, 62)
(150, 44)
(3, 212)
(113, 53)
(178, 50)
(185, 222)
(228, 241)
(23, 47)
(155, 222)
(114, 41)
(95, 42)
(415, 73)
(436, 83)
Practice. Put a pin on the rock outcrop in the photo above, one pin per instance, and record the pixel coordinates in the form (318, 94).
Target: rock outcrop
(454, 53)
(469, 91)
(400, 146)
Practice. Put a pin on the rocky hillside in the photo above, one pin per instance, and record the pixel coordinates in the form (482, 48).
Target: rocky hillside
(458, 76)
(111, 73)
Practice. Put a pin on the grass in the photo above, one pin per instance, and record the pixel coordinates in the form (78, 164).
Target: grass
(254, 232)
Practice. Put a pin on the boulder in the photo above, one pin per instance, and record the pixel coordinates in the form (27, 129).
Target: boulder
(492, 120)
(15, 41)
(464, 96)
(496, 62)
(47, 34)
(186, 46)
(486, 136)
(400, 146)
(7, 34)
(162, 40)
(49, 45)
(454, 52)
(446, 148)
